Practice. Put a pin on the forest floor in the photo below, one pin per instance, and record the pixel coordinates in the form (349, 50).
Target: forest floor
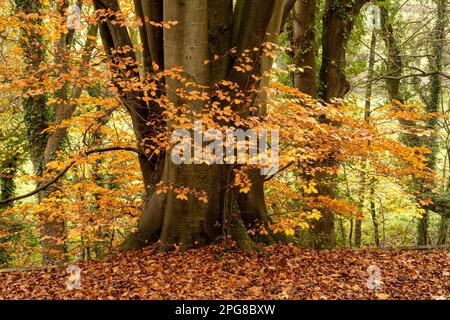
(281, 272)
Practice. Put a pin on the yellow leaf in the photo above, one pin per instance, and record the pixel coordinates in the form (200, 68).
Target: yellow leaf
(182, 196)
(382, 296)
(155, 66)
(244, 190)
(289, 232)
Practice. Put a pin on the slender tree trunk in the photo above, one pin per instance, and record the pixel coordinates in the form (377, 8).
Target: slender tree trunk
(338, 21)
(394, 70)
(53, 227)
(350, 233)
(373, 46)
(383, 221)
(8, 170)
(444, 223)
(373, 213)
(37, 115)
(394, 61)
(304, 45)
(342, 230)
(443, 228)
(358, 227)
(436, 95)
(367, 111)
(445, 216)
(432, 106)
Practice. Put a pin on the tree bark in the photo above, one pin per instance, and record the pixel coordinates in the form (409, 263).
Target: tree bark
(358, 228)
(338, 21)
(37, 116)
(304, 44)
(151, 36)
(394, 65)
(432, 106)
(8, 171)
(204, 29)
(54, 229)
(367, 112)
(443, 229)
(373, 213)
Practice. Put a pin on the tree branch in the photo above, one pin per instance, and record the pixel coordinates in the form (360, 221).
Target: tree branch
(64, 171)
(424, 74)
(287, 8)
(279, 171)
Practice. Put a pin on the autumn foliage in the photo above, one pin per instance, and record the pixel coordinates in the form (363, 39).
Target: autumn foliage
(100, 195)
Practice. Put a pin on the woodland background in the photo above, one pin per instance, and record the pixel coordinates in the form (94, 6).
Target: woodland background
(358, 89)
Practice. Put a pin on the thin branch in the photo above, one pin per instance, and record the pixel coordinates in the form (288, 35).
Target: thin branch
(425, 74)
(279, 171)
(64, 171)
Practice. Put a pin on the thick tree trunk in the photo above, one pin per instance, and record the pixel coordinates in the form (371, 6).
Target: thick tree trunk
(151, 36)
(324, 228)
(191, 222)
(204, 29)
(146, 118)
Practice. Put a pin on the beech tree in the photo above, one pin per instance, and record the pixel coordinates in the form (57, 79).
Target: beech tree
(38, 115)
(337, 24)
(161, 66)
(204, 29)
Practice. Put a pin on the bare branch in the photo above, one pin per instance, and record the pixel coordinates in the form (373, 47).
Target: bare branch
(64, 171)
(423, 74)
